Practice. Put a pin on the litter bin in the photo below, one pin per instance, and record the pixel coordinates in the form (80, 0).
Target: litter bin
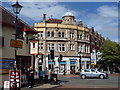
(53, 79)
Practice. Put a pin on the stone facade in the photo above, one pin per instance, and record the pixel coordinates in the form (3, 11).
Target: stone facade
(66, 38)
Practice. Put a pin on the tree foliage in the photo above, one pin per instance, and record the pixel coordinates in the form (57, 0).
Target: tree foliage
(111, 52)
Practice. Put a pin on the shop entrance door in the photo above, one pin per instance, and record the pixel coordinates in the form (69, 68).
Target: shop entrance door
(72, 69)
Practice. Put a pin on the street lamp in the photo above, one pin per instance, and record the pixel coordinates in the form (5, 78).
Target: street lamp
(16, 9)
(80, 57)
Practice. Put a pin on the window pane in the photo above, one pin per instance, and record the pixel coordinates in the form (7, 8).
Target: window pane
(52, 34)
(59, 34)
(63, 34)
(48, 34)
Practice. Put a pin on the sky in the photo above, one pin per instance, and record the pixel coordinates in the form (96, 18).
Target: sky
(103, 16)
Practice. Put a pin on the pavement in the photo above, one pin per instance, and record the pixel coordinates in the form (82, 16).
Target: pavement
(43, 86)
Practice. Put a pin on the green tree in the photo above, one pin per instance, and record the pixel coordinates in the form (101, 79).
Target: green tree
(110, 53)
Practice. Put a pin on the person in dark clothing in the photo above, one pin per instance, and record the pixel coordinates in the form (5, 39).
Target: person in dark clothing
(46, 75)
(31, 77)
(27, 77)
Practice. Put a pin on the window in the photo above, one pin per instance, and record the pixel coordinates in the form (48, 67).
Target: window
(50, 46)
(40, 45)
(48, 34)
(2, 41)
(87, 49)
(61, 47)
(52, 34)
(63, 35)
(40, 34)
(80, 47)
(92, 70)
(72, 47)
(86, 37)
(80, 36)
(59, 34)
(71, 34)
(87, 70)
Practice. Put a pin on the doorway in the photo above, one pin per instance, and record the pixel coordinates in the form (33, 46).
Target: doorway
(72, 69)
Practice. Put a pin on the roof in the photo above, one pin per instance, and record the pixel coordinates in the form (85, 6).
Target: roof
(51, 20)
(10, 20)
(68, 14)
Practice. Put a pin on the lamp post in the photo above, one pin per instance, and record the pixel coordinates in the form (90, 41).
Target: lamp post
(80, 57)
(16, 9)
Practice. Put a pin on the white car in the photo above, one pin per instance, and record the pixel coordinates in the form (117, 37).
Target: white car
(92, 73)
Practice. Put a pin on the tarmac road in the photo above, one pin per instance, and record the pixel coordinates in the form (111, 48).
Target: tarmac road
(77, 82)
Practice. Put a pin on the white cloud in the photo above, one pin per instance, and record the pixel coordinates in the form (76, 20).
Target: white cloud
(105, 21)
(36, 10)
(108, 11)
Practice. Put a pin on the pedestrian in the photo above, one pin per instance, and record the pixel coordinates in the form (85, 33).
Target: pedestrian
(28, 76)
(31, 77)
(46, 75)
(64, 72)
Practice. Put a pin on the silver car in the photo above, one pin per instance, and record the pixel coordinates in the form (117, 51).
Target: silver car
(92, 73)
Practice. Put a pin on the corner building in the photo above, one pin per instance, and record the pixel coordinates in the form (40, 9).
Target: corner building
(66, 38)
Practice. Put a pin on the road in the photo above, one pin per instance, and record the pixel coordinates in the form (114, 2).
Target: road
(77, 82)
(74, 81)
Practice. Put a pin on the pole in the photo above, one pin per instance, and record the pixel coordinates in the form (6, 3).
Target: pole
(80, 61)
(15, 83)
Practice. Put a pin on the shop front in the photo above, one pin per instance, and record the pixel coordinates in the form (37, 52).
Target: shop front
(23, 63)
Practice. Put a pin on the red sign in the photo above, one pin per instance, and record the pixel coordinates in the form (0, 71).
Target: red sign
(12, 76)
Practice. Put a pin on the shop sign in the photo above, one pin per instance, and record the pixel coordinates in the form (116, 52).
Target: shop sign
(16, 43)
(93, 59)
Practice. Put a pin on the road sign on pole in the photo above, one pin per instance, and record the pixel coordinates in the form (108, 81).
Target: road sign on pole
(18, 79)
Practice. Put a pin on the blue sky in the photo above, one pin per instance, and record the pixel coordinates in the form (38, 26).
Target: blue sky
(103, 16)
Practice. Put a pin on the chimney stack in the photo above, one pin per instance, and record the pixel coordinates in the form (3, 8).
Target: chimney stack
(44, 17)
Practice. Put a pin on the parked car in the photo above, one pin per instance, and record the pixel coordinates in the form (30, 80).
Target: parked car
(92, 73)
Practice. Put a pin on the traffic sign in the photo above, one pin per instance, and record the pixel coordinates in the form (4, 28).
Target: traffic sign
(18, 79)
(6, 85)
(16, 43)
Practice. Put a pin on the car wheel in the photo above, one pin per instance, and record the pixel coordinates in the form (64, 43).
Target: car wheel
(83, 76)
(101, 76)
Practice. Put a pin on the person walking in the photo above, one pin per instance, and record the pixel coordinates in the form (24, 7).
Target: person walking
(28, 77)
(31, 77)
(64, 72)
(46, 75)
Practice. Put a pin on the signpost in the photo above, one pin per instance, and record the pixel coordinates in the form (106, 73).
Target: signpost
(93, 58)
(18, 79)
(16, 43)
